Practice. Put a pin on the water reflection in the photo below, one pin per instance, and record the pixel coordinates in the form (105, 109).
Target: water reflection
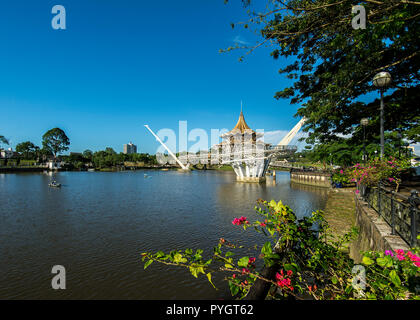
(97, 224)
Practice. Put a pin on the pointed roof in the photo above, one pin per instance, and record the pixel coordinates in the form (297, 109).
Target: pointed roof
(241, 127)
(241, 124)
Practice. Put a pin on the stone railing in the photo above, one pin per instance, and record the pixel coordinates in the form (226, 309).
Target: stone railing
(399, 211)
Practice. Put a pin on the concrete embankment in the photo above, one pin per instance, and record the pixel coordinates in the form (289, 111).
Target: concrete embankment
(374, 232)
(318, 179)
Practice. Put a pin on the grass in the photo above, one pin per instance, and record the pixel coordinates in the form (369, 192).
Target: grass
(340, 210)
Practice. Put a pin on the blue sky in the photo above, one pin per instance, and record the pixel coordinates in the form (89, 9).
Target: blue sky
(121, 64)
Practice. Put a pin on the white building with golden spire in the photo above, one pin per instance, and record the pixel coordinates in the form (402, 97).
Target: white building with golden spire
(245, 151)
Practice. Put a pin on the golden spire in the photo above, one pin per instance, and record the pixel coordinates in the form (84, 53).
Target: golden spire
(240, 128)
(241, 124)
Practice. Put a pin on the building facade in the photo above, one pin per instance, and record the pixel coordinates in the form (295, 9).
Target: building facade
(130, 148)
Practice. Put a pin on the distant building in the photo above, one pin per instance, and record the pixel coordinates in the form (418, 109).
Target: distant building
(130, 148)
(7, 154)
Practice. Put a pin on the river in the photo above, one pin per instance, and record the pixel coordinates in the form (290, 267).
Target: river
(97, 224)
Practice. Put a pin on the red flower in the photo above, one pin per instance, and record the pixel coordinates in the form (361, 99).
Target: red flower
(240, 221)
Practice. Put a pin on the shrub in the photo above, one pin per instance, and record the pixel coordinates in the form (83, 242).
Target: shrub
(308, 260)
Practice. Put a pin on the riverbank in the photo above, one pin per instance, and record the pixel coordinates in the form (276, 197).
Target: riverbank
(114, 169)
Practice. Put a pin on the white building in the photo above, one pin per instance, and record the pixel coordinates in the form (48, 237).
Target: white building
(9, 153)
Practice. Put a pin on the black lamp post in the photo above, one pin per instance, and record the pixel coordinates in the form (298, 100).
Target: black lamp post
(381, 81)
(364, 122)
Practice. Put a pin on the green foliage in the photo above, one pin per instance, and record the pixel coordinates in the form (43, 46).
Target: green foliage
(332, 65)
(340, 177)
(28, 150)
(109, 158)
(387, 171)
(311, 261)
(55, 141)
(27, 163)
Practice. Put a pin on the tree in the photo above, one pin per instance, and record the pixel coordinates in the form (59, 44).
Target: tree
(88, 154)
(27, 148)
(3, 140)
(55, 141)
(333, 63)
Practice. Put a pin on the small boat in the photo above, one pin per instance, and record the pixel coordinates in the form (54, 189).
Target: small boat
(54, 184)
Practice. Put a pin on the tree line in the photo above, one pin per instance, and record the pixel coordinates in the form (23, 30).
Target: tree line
(55, 141)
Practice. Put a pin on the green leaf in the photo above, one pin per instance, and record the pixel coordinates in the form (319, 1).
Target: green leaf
(348, 289)
(208, 262)
(381, 262)
(266, 249)
(179, 259)
(234, 289)
(272, 203)
(395, 278)
(160, 254)
(209, 278)
(148, 263)
(367, 261)
(229, 254)
(243, 262)
(194, 271)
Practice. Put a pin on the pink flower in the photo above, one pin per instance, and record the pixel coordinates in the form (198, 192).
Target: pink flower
(262, 224)
(282, 281)
(341, 171)
(389, 253)
(357, 191)
(240, 221)
(251, 260)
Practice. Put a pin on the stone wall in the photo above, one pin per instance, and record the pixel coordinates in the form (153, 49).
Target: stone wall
(311, 178)
(374, 232)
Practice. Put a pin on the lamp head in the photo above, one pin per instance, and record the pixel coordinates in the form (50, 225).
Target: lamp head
(382, 80)
(364, 122)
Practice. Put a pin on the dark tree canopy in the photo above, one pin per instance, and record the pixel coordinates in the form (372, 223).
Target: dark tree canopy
(27, 148)
(334, 63)
(55, 141)
(3, 140)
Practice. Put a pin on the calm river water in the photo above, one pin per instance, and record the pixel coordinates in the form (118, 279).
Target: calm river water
(97, 225)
